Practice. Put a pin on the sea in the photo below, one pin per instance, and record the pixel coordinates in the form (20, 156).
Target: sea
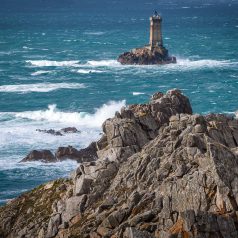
(58, 69)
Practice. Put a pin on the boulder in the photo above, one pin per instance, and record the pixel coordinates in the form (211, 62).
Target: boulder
(45, 156)
(82, 185)
(70, 130)
(74, 206)
(54, 223)
(51, 131)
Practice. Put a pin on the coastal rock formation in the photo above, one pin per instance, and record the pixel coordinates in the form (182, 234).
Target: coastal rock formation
(162, 172)
(63, 153)
(146, 56)
(60, 132)
(45, 156)
(84, 155)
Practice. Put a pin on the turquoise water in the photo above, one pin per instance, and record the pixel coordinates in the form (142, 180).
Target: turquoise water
(58, 68)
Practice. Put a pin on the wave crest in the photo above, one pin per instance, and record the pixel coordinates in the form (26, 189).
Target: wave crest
(101, 63)
(40, 87)
(52, 114)
(205, 63)
(88, 71)
(40, 72)
(50, 63)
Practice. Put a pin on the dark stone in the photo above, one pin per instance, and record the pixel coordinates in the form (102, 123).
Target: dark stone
(45, 156)
(60, 132)
(70, 130)
(84, 155)
(51, 131)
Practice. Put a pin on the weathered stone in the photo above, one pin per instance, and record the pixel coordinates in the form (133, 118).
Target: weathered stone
(82, 185)
(73, 206)
(131, 232)
(84, 155)
(53, 226)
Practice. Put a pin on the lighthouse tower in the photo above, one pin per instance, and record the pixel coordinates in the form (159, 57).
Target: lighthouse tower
(155, 31)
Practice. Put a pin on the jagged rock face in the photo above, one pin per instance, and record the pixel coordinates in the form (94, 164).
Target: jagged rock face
(145, 56)
(181, 180)
(130, 130)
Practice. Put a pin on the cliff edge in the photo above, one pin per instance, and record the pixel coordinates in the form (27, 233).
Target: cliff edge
(161, 172)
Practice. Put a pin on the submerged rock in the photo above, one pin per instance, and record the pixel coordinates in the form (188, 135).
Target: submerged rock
(161, 172)
(70, 130)
(60, 132)
(51, 131)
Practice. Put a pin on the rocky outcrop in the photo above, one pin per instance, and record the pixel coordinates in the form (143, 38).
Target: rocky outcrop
(161, 173)
(63, 153)
(146, 56)
(44, 156)
(84, 155)
(60, 132)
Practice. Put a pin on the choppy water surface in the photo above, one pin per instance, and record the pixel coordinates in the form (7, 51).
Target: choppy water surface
(58, 68)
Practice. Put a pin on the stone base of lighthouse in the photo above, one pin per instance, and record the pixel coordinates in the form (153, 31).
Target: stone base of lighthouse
(147, 56)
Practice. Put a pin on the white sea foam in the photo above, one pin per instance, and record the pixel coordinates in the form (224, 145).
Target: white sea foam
(96, 33)
(18, 130)
(40, 72)
(99, 63)
(137, 93)
(49, 63)
(187, 64)
(52, 114)
(182, 64)
(88, 71)
(27, 48)
(236, 114)
(67, 165)
(40, 87)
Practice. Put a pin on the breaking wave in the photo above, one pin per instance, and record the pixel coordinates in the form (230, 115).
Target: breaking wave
(40, 87)
(49, 63)
(96, 33)
(40, 72)
(137, 93)
(88, 71)
(101, 63)
(52, 114)
(187, 64)
(93, 66)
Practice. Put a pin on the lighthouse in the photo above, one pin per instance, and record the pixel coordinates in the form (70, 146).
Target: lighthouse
(152, 53)
(155, 31)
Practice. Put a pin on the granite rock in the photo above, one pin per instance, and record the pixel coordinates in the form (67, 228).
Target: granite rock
(161, 172)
